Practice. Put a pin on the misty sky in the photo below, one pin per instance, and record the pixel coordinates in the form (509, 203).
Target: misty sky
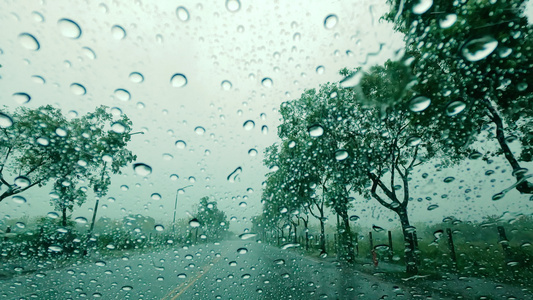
(250, 45)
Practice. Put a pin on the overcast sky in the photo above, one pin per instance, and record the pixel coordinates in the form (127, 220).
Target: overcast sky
(251, 44)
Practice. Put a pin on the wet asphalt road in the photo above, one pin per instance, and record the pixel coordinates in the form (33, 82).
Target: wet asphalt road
(238, 269)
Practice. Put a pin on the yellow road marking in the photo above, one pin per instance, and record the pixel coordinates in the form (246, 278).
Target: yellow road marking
(202, 273)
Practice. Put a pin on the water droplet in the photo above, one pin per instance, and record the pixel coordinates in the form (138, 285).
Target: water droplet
(55, 248)
(52, 215)
(233, 263)
(159, 228)
(19, 199)
(167, 156)
(180, 144)
(100, 263)
(29, 42)
(81, 220)
(419, 103)
(178, 80)
(21, 98)
(194, 223)
(142, 169)
(155, 196)
(432, 207)
(341, 155)
(118, 127)
(377, 228)
(289, 245)
(88, 52)
(248, 125)
(243, 204)
(320, 70)
(78, 89)
(118, 32)
(354, 218)
(174, 177)
(267, 82)
(182, 13)
(242, 250)
(122, 95)
(447, 21)
(422, 6)
(233, 176)
(226, 85)
(5, 120)
(498, 196)
(330, 21)
(480, 48)
(136, 77)
(264, 129)
(252, 152)
(182, 275)
(69, 28)
(475, 155)
(316, 130)
(22, 181)
(449, 179)
(37, 16)
(127, 288)
(233, 5)
(199, 130)
(38, 79)
(454, 108)
(246, 236)
(246, 276)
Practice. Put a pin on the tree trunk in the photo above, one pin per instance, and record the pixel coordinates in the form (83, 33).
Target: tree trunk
(411, 262)
(345, 238)
(523, 186)
(64, 212)
(322, 235)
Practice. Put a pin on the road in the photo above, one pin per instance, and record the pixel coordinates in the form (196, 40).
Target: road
(237, 269)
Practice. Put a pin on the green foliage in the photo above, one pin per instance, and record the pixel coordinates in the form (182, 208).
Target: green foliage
(213, 221)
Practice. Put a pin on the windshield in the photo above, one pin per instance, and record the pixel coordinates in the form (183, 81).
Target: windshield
(266, 150)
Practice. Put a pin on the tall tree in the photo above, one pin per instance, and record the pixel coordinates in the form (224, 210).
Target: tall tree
(473, 60)
(213, 221)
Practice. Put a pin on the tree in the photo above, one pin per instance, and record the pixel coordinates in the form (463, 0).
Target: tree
(66, 194)
(213, 221)
(473, 60)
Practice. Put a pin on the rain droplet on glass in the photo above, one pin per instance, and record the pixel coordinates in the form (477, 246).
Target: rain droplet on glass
(142, 169)
(118, 32)
(122, 95)
(316, 130)
(330, 21)
(233, 5)
(182, 13)
(178, 80)
(28, 41)
(78, 89)
(136, 77)
(248, 125)
(480, 48)
(419, 103)
(69, 28)
(21, 98)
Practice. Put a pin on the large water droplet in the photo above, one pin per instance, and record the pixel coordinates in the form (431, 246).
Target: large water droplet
(320, 70)
(69, 28)
(52, 215)
(156, 196)
(354, 218)
(127, 288)
(182, 275)
(289, 245)
(22, 181)
(194, 223)
(5, 120)
(447, 21)
(422, 6)
(419, 103)
(414, 141)
(316, 130)
(264, 129)
(38, 79)
(341, 155)
(377, 228)
(180, 144)
(118, 32)
(233, 5)
(118, 127)
(19, 199)
(182, 13)
(136, 77)
(454, 108)
(43, 141)
(21, 98)
(81, 220)
(88, 52)
(142, 169)
(248, 125)
(432, 207)
(122, 95)
(267, 82)
(199, 130)
(226, 85)
(159, 228)
(252, 152)
(478, 49)
(29, 42)
(242, 250)
(178, 80)
(330, 21)
(246, 236)
(55, 248)
(78, 89)
(233, 176)
(37, 16)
